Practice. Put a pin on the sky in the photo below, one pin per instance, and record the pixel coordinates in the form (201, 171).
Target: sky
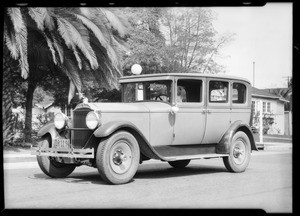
(262, 35)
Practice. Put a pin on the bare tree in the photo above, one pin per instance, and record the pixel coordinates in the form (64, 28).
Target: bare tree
(191, 38)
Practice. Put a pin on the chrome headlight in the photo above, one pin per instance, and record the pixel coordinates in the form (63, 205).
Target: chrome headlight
(60, 120)
(92, 120)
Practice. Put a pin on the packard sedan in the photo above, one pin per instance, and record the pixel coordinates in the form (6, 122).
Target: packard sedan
(174, 118)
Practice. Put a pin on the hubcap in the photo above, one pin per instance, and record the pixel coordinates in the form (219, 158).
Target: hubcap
(239, 152)
(121, 157)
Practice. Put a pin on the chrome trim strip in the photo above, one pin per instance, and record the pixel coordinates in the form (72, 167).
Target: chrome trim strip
(191, 157)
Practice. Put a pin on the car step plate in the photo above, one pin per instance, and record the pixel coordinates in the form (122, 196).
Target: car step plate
(191, 157)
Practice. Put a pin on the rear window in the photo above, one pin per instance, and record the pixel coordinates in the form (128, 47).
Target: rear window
(238, 93)
(218, 91)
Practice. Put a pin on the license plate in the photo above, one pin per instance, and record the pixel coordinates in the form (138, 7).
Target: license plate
(62, 143)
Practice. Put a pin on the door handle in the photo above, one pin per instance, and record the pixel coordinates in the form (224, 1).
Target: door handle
(206, 111)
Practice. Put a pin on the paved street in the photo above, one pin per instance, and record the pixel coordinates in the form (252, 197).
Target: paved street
(266, 184)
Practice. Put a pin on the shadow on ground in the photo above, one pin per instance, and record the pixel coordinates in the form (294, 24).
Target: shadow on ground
(165, 171)
(145, 171)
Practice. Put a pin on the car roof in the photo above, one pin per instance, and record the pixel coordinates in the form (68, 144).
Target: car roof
(167, 76)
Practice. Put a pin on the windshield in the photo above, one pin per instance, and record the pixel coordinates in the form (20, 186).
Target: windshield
(148, 91)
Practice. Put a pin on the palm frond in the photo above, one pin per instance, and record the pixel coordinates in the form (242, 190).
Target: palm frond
(42, 18)
(11, 44)
(76, 54)
(64, 33)
(62, 29)
(94, 28)
(73, 74)
(100, 36)
(72, 91)
(73, 38)
(114, 21)
(81, 44)
(20, 38)
(121, 45)
(16, 18)
(50, 45)
(58, 47)
(48, 19)
(103, 55)
(36, 15)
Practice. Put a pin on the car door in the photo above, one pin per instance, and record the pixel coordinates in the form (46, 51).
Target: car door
(189, 122)
(218, 109)
(241, 102)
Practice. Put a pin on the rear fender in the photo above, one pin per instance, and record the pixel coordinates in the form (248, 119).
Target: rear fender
(224, 145)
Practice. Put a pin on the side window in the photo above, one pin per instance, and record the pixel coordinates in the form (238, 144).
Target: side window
(218, 91)
(189, 91)
(238, 93)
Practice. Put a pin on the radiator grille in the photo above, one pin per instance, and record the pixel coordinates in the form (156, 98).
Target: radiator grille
(80, 137)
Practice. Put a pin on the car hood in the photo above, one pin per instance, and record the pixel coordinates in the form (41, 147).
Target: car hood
(138, 107)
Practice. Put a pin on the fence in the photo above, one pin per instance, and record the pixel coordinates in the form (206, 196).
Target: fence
(288, 123)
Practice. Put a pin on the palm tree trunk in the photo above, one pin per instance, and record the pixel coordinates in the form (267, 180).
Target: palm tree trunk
(7, 99)
(28, 108)
(7, 117)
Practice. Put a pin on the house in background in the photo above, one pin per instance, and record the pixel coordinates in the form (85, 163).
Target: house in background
(287, 93)
(43, 108)
(274, 105)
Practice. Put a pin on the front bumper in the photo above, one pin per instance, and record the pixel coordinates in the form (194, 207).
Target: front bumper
(68, 153)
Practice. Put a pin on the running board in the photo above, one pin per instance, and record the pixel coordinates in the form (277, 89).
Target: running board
(192, 157)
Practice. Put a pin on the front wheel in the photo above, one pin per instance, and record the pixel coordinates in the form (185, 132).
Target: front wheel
(239, 153)
(51, 167)
(118, 158)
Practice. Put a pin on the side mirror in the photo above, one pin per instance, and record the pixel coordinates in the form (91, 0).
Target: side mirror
(174, 110)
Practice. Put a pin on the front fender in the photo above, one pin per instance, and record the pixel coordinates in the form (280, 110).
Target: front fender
(110, 127)
(48, 128)
(224, 145)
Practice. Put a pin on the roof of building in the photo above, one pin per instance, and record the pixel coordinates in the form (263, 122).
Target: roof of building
(279, 91)
(264, 93)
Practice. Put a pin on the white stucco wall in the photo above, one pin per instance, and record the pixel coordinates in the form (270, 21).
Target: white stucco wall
(277, 108)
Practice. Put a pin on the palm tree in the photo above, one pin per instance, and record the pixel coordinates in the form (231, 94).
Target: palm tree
(9, 69)
(71, 40)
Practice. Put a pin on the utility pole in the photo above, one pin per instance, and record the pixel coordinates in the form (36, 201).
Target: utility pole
(261, 121)
(253, 73)
(288, 79)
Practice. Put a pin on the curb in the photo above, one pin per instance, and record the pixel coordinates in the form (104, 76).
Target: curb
(275, 146)
(18, 156)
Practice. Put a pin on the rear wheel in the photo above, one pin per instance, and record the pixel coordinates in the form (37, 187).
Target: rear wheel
(239, 153)
(179, 163)
(118, 158)
(51, 167)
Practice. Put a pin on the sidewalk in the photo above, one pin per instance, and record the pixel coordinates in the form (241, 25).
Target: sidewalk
(274, 142)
